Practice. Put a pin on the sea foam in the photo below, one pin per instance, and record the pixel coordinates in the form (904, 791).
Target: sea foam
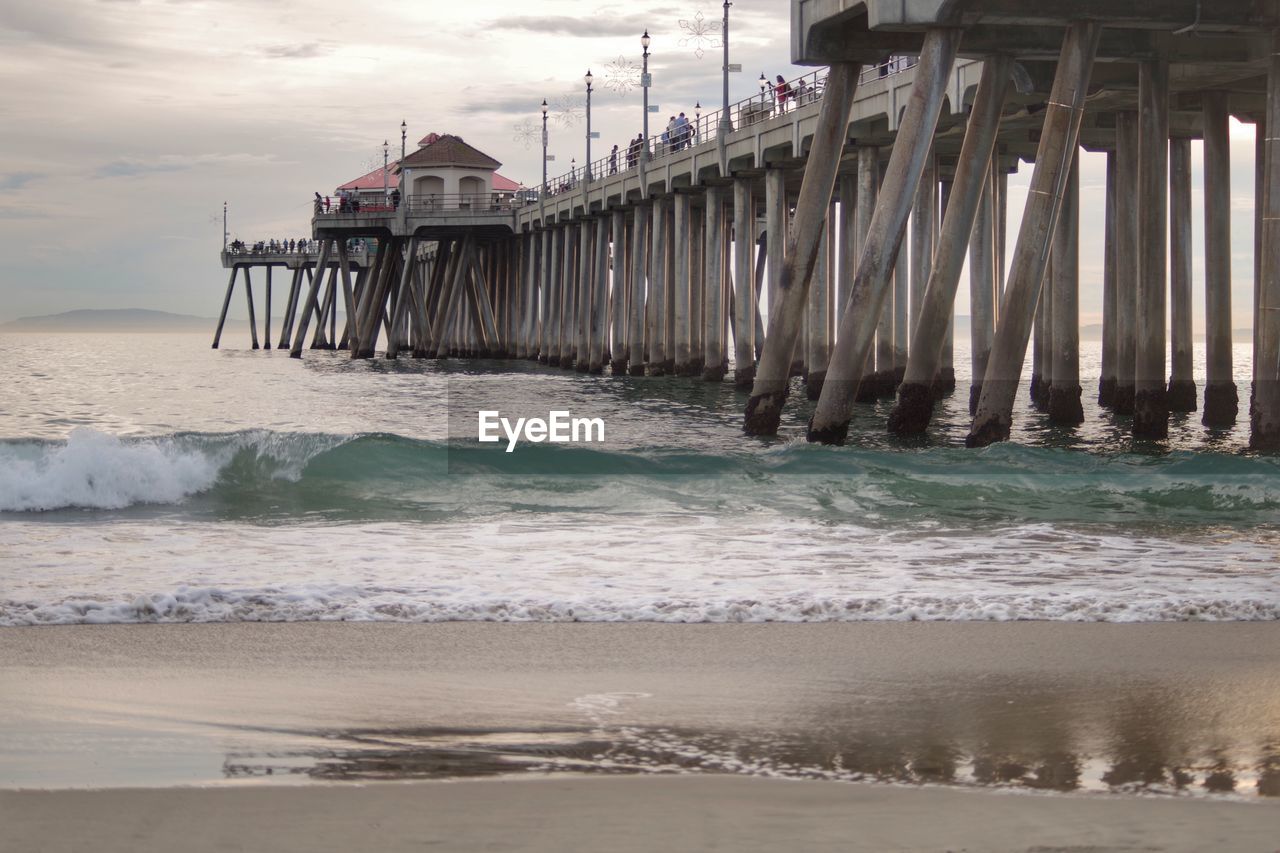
(95, 470)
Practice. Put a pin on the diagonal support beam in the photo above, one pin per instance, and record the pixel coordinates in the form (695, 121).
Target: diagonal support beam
(1031, 253)
(830, 423)
(769, 391)
(915, 395)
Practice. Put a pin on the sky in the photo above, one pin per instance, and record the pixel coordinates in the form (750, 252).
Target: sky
(125, 124)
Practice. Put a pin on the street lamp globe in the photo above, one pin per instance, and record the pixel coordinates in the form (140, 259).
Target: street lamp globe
(588, 78)
(644, 40)
(764, 82)
(544, 106)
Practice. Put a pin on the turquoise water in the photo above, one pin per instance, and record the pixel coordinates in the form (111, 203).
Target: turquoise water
(148, 478)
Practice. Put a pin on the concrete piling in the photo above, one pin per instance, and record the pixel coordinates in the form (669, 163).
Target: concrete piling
(682, 357)
(994, 417)
(713, 367)
(1221, 398)
(1264, 432)
(1063, 403)
(1126, 227)
(937, 298)
(1182, 386)
(764, 409)
(618, 294)
(830, 422)
(744, 305)
(1150, 392)
(1107, 377)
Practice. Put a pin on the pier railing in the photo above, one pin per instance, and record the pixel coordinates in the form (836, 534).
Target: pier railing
(429, 203)
(479, 203)
(775, 100)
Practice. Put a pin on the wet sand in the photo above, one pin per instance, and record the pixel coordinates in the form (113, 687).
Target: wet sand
(1082, 721)
(622, 814)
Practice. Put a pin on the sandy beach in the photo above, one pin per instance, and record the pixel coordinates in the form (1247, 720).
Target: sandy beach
(924, 736)
(622, 814)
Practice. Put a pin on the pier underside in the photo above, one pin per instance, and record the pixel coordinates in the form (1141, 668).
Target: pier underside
(825, 237)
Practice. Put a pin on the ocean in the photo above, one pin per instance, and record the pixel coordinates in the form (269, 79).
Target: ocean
(147, 478)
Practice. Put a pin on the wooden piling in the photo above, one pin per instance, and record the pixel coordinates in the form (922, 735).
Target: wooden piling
(618, 293)
(656, 307)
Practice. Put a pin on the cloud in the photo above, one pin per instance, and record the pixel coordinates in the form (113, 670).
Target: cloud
(306, 50)
(573, 26)
(132, 167)
(17, 180)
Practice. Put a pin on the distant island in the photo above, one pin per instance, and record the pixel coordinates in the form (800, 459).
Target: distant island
(133, 320)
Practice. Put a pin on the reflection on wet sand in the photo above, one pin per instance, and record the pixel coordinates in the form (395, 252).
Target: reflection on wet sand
(1014, 735)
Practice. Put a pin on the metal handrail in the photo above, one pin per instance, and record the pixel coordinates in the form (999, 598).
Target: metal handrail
(798, 92)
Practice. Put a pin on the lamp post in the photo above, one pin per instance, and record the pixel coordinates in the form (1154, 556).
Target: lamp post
(764, 84)
(544, 146)
(224, 226)
(386, 152)
(697, 122)
(725, 124)
(587, 78)
(573, 171)
(404, 130)
(644, 86)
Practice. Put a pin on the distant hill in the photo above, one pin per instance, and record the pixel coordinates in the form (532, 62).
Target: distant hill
(132, 320)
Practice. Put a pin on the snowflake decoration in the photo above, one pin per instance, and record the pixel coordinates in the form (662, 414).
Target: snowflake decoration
(568, 109)
(700, 33)
(621, 75)
(526, 133)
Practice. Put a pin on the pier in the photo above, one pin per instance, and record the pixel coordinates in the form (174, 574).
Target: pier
(823, 234)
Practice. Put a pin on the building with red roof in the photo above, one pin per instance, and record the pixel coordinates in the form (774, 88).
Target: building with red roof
(443, 165)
